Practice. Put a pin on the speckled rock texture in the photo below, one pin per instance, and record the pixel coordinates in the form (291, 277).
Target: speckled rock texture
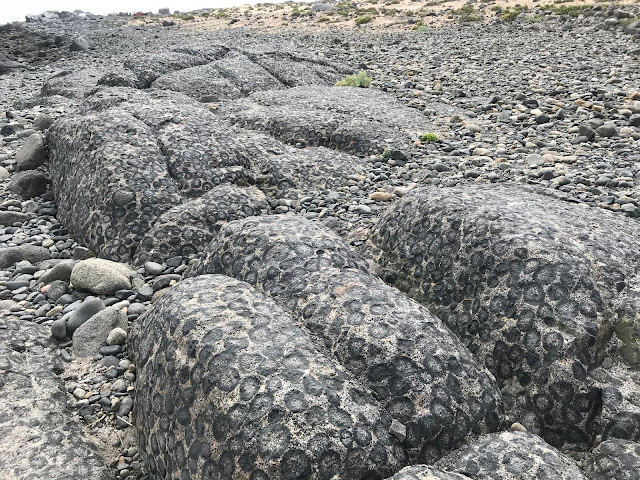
(511, 456)
(301, 172)
(131, 156)
(147, 67)
(530, 290)
(620, 415)
(71, 84)
(425, 472)
(189, 227)
(359, 121)
(39, 438)
(229, 386)
(420, 372)
(614, 460)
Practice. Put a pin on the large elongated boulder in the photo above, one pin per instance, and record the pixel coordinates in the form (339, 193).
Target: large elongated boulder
(423, 376)
(614, 460)
(355, 120)
(189, 227)
(527, 281)
(149, 66)
(229, 386)
(130, 156)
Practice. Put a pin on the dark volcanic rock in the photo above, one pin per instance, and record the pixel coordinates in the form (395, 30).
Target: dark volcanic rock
(355, 120)
(31, 253)
(149, 66)
(301, 172)
(229, 383)
(39, 438)
(425, 472)
(29, 184)
(528, 288)
(31, 154)
(614, 460)
(511, 455)
(188, 228)
(425, 379)
(135, 156)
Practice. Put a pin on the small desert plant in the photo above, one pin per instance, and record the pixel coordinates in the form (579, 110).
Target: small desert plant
(363, 20)
(183, 16)
(387, 153)
(359, 80)
(428, 137)
(420, 27)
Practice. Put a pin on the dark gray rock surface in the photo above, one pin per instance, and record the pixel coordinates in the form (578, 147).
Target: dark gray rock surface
(229, 384)
(529, 290)
(511, 455)
(39, 438)
(614, 459)
(354, 120)
(420, 372)
(188, 228)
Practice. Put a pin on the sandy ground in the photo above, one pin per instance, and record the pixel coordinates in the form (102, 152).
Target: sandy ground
(391, 15)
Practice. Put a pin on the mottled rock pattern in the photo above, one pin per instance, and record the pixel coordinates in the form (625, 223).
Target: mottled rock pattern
(360, 121)
(39, 438)
(420, 372)
(188, 228)
(614, 460)
(149, 66)
(511, 455)
(71, 84)
(530, 290)
(425, 472)
(229, 385)
(301, 172)
(136, 155)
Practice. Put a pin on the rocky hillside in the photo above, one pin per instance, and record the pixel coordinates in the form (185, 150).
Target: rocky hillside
(333, 241)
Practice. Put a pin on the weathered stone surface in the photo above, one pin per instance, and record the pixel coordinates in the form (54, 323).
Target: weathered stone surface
(70, 84)
(511, 455)
(137, 155)
(31, 253)
(92, 334)
(60, 271)
(232, 76)
(425, 472)
(80, 44)
(528, 288)
(355, 120)
(228, 383)
(29, 184)
(302, 172)
(31, 154)
(87, 309)
(420, 372)
(620, 414)
(8, 218)
(189, 227)
(100, 276)
(149, 66)
(614, 460)
(39, 438)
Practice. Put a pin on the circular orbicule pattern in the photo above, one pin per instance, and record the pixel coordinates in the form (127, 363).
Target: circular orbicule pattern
(229, 386)
(301, 172)
(614, 459)
(426, 472)
(511, 455)
(420, 372)
(530, 290)
(188, 228)
(359, 121)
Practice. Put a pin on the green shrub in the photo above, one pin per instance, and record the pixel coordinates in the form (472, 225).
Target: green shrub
(359, 80)
(183, 16)
(420, 27)
(429, 137)
(363, 20)
(387, 153)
